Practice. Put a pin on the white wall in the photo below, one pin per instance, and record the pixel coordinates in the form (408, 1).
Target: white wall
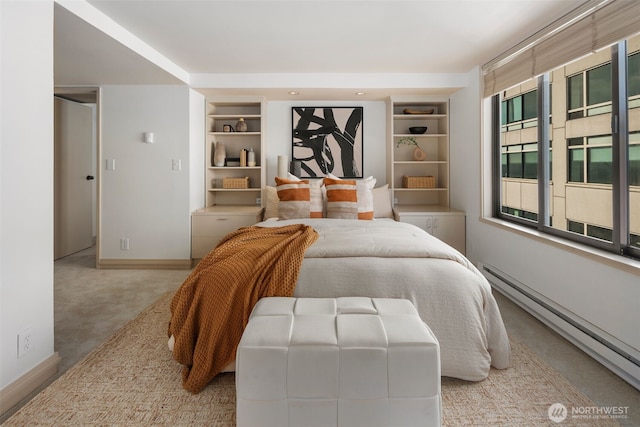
(596, 291)
(26, 184)
(279, 127)
(197, 111)
(144, 199)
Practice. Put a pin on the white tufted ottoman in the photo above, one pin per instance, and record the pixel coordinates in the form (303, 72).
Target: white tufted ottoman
(337, 362)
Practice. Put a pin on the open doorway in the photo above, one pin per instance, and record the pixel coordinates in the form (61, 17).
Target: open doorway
(75, 170)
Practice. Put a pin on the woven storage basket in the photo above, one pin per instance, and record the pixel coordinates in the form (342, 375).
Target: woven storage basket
(235, 182)
(419, 181)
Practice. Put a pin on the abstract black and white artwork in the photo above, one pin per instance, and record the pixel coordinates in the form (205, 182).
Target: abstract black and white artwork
(328, 140)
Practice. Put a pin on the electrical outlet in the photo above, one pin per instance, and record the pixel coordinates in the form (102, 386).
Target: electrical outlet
(124, 244)
(258, 201)
(395, 201)
(25, 342)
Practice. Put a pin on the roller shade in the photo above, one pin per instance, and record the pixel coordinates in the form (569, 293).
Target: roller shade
(593, 26)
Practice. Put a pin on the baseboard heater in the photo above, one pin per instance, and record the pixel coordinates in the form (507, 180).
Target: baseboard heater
(596, 343)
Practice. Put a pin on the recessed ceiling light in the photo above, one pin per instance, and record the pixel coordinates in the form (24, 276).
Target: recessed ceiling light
(293, 92)
(360, 93)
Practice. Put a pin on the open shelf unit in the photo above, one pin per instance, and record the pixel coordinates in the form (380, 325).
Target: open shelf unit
(223, 112)
(435, 144)
(427, 208)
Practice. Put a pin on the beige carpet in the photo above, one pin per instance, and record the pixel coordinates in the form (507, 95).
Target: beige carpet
(131, 379)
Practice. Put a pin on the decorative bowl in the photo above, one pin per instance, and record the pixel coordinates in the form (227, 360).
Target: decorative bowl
(417, 130)
(414, 111)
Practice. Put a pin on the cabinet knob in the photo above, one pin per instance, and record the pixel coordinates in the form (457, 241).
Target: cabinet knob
(90, 177)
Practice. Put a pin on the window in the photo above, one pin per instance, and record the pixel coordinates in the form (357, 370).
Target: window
(595, 195)
(633, 88)
(590, 159)
(633, 80)
(596, 84)
(520, 161)
(634, 159)
(519, 213)
(520, 111)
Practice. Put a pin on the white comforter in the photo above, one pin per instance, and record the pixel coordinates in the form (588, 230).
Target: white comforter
(385, 258)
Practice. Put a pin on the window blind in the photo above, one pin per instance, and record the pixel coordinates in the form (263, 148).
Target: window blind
(594, 25)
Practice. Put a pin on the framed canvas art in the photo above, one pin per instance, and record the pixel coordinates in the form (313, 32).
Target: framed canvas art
(328, 140)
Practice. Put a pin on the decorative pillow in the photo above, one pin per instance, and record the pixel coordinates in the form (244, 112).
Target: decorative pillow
(342, 198)
(271, 202)
(365, 196)
(293, 198)
(316, 187)
(382, 202)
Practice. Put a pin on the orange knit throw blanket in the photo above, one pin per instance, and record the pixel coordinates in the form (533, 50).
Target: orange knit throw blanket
(211, 309)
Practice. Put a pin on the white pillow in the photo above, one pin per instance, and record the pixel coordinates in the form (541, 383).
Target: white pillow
(382, 207)
(271, 202)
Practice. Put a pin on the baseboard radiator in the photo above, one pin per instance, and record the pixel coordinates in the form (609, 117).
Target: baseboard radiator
(606, 349)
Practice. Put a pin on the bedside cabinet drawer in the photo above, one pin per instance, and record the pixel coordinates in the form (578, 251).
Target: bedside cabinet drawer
(209, 225)
(208, 230)
(219, 225)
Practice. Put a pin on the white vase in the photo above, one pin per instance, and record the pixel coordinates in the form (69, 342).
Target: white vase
(220, 154)
(251, 159)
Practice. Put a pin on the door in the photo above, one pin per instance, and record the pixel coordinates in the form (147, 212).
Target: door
(73, 177)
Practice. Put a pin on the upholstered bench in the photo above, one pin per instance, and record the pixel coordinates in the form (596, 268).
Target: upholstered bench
(337, 362)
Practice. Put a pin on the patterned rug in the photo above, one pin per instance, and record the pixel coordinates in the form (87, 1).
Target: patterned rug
(131, 379)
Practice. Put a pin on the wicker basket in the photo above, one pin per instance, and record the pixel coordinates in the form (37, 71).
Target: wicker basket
(419, 181)
(235, 182)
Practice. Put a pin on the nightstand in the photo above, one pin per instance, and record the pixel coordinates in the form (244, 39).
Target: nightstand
(444, 223)
(209, 225)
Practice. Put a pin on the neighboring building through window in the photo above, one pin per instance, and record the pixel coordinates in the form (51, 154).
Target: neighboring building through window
(582, 186)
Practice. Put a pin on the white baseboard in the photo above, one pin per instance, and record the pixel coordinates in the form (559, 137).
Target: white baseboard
(148, 264)
(606, 349)
(27, 383)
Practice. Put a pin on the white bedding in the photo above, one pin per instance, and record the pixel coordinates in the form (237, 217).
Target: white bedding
(385, 258)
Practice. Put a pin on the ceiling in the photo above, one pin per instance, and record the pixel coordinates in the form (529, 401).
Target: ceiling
(269, 43)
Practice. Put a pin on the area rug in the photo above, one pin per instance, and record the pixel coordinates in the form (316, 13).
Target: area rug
(131, 379)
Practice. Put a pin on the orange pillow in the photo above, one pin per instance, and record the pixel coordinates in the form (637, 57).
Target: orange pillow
(316, 202)
(365, 196)
(294, 198)
(342, 198)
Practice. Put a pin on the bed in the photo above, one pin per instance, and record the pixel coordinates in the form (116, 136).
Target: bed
(386, 258)
(379, 257)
